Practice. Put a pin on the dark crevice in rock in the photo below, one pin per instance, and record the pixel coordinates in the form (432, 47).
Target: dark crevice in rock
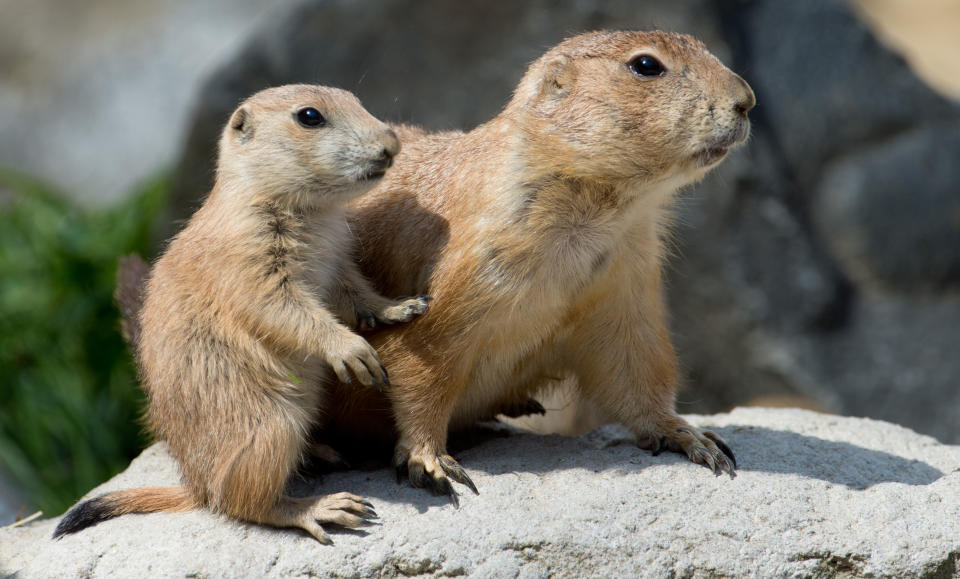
(830, 566)
(949, 568)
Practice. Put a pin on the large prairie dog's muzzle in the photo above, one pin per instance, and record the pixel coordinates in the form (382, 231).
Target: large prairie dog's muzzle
(745, 100)
(390, 147)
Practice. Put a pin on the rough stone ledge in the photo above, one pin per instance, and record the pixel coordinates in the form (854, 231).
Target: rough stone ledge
(817, 496)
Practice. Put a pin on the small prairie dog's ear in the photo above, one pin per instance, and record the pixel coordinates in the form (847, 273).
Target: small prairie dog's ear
(241, 124)
(558, 76)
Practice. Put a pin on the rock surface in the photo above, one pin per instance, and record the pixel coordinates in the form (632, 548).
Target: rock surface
(817, 495)
(882, 226)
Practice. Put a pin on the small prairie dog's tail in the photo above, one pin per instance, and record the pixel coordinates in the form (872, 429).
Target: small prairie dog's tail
(110, 505)
(132, 274)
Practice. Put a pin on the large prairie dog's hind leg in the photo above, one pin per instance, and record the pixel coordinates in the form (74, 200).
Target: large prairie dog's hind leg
(248, 483)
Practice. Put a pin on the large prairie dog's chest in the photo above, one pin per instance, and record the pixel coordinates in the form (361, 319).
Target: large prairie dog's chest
(529, 315)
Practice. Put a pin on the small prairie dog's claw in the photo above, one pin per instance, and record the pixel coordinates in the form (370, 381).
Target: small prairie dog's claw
(342, 509)
(357, 356)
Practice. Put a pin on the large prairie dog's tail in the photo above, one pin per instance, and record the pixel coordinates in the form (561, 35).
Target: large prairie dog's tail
(110, 505)
(132, 274)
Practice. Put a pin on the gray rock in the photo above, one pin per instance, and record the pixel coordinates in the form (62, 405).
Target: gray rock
(817, 495)
(824, 84)
(898, 358)
(891, 213)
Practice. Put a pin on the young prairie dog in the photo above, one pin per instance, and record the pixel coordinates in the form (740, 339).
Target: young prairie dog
(546, 246)
(248, 310)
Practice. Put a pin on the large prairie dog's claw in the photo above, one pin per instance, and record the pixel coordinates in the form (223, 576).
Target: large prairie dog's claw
(431, 471)
(701, 446)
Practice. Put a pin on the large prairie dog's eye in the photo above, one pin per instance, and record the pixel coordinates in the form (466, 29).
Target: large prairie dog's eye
(310, 117)
(646, 65)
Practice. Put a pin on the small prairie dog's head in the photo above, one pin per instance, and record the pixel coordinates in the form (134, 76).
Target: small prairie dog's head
(632, 105)
(303, 145)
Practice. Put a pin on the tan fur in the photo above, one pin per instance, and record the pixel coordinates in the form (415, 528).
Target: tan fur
(249, 307)
(541, 234)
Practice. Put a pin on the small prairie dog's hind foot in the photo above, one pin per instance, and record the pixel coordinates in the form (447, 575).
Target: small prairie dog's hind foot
(400, 310)
(701, 446)
(310, 513)
(430, 470)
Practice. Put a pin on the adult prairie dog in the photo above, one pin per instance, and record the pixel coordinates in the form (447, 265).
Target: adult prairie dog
(248, 310)
(546, 246)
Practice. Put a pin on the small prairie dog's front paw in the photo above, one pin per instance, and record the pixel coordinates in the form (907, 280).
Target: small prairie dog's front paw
(351, 351)
(404, 309)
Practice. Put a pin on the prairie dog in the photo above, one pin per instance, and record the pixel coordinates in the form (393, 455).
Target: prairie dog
(248, 310)
(547, 245)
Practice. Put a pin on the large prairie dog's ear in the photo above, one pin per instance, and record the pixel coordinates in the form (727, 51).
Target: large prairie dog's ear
(558, 76)
(241, 124)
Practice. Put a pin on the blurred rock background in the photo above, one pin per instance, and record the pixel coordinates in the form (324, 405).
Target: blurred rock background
(817, 267)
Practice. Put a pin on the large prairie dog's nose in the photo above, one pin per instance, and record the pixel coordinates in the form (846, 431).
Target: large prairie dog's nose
(746, 99)
(390, 144)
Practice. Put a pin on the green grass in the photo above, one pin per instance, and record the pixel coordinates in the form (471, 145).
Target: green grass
(69, 399)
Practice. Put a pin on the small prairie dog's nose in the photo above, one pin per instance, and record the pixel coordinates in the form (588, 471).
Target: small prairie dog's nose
(391, 144)
(747, 100)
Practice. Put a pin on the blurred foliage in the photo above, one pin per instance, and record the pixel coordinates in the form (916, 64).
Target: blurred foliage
(69, 399)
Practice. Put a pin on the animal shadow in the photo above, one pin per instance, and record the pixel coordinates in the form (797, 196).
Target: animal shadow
(500, 450)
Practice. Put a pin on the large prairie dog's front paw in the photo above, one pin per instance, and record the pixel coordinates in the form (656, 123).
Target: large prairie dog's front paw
(398, 311)
(701, 446)
(351, 351)
(428, 469)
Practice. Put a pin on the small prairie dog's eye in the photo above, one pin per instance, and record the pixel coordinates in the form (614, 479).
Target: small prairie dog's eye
(310, 117)
(646, 65)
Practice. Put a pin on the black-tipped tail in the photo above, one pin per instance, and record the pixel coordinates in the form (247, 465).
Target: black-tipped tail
(110, 505)
(86, 514)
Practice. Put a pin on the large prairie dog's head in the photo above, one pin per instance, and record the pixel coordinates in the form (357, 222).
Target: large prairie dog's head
(632, 105)
(304, 145)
